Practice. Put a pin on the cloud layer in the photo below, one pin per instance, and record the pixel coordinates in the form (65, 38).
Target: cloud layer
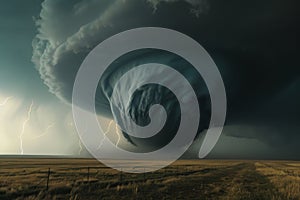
(252, 42)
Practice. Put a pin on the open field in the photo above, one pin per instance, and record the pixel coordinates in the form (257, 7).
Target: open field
(185, 179)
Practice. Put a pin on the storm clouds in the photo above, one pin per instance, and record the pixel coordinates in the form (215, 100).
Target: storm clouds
(254, 44)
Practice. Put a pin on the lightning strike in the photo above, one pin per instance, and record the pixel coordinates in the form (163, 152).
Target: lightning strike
(45, 132)
(23, 127)
(108, 129)
(119, 135)
(80, 147)
(5, 101)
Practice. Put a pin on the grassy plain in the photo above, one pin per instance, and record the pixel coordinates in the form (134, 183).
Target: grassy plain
(185, 179)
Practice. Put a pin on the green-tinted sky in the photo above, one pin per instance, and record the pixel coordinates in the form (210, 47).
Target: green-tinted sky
(17, 73)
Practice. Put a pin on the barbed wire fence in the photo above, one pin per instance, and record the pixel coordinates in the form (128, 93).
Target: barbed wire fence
(89, 175)
(55, 179)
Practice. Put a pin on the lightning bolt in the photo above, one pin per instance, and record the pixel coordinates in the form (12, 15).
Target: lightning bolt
(23, 127)
(118, 133)
(5, 101)
(80, 147)
(108, 129)
(45, 132)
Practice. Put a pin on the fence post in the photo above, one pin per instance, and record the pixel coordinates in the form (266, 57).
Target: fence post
(48, 177)
(144, 175)
(121, 176)
(88, 175)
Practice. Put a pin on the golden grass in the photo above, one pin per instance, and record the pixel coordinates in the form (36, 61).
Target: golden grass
(284, 176)
(184, 179)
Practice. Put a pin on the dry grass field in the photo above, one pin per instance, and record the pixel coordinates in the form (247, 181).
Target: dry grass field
(185, 179)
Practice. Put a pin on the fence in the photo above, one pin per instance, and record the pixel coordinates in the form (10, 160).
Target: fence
(88, 175)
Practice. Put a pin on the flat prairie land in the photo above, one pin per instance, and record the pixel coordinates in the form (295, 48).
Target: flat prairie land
(77, 179)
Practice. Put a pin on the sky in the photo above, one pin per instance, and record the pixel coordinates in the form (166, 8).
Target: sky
(254, 44)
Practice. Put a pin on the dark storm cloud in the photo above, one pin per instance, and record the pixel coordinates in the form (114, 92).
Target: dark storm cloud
(254, 44)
